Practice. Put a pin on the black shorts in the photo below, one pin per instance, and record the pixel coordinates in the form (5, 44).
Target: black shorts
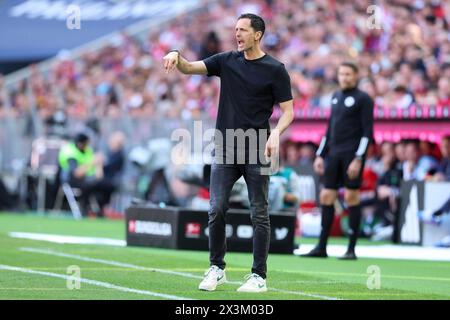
(336, 172)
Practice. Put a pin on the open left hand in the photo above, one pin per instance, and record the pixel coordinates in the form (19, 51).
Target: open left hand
(354, 168)
(272, 145)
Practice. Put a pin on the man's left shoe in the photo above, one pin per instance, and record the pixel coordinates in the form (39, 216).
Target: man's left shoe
(349, 255)
(253, 283)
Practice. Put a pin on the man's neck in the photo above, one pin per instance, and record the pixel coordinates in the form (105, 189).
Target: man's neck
(254, 53)
(347, 89)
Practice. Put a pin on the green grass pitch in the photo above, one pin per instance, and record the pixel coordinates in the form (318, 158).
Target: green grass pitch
(40, 271)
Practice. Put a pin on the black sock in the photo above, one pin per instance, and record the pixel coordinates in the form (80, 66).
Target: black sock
(354, 224)
(327, 221)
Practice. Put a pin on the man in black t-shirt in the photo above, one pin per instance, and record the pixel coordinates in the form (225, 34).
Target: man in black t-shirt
(341, 154)
(252, 82)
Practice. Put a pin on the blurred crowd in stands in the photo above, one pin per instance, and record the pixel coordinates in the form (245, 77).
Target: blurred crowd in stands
(404, 61)
(403, 53)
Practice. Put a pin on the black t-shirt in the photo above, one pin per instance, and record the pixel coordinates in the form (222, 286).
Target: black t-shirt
(392, 177)
(248, 91)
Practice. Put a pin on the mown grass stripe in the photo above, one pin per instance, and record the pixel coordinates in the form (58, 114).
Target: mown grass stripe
(182, 274)
(93, 282)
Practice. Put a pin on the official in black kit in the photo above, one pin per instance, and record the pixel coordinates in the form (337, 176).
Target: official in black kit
(251, 83)
(341, 155)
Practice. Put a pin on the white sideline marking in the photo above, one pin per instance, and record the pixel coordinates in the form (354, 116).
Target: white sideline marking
(68, 239)
(93, 282)
(108, 262)
(397, 252)
(182, 274)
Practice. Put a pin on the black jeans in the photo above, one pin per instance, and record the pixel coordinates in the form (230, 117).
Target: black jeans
(100, 189)
(223, 177)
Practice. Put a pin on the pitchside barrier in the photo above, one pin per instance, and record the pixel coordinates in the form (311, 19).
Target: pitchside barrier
(179, 228)
(419, 200)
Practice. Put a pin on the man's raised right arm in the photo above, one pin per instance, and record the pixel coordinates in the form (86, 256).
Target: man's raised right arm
(174, 60)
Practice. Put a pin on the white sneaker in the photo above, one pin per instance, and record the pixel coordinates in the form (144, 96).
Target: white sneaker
(254, 283)
(214, 276)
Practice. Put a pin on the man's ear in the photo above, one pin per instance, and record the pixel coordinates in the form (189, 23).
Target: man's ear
(258, 35)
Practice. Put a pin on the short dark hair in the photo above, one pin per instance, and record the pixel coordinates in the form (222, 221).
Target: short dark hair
(81, 138)
(256, 22)
(351, 65)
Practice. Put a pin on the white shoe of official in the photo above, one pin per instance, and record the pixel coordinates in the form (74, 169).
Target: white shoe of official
(214, 276)
(253, 283)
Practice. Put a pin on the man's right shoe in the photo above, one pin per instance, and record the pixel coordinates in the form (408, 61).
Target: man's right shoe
(214, 276)
(253, 283)
(316, 253)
